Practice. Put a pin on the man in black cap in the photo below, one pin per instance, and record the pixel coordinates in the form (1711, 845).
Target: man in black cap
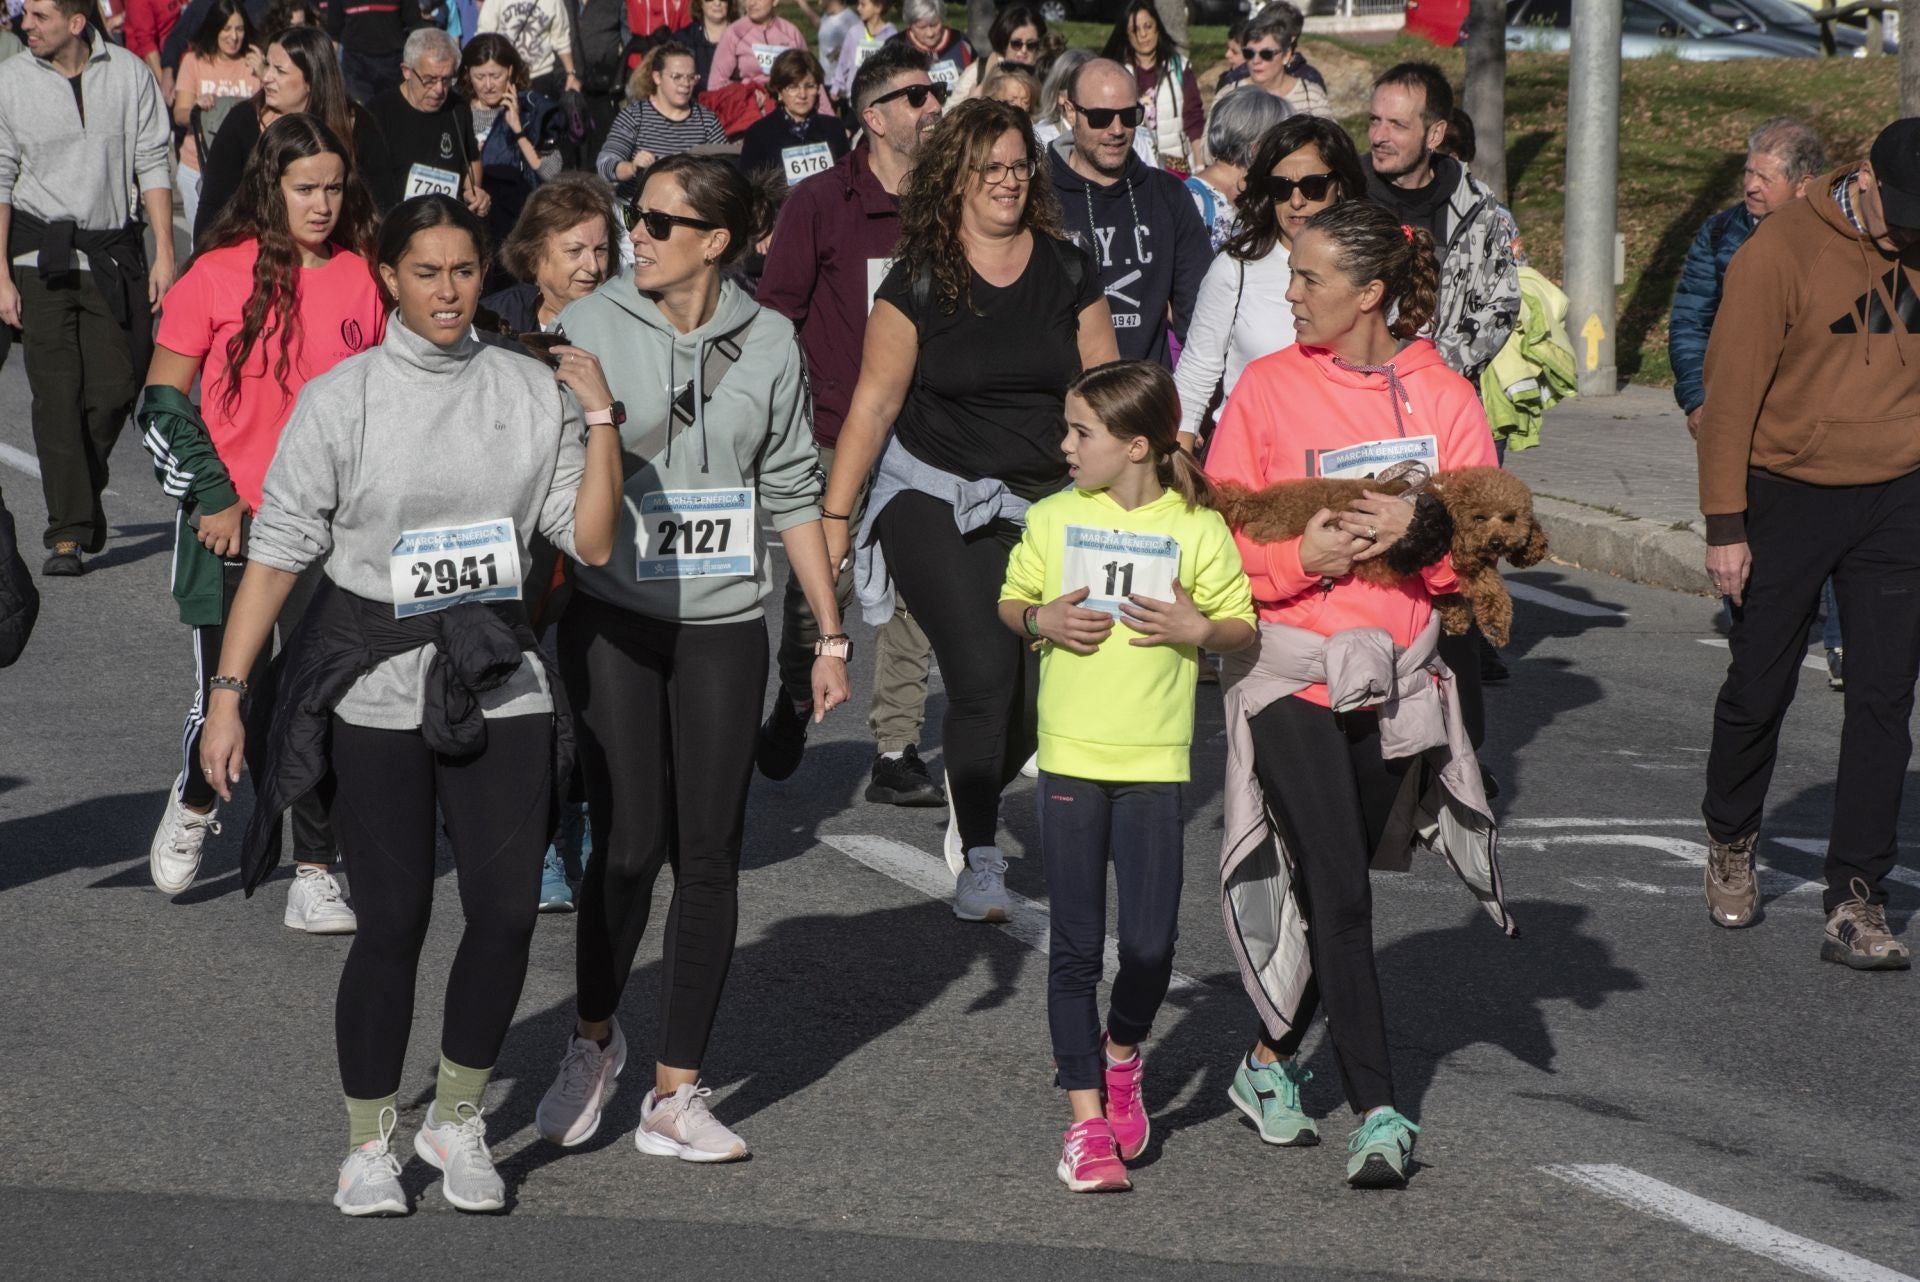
(1809, 467)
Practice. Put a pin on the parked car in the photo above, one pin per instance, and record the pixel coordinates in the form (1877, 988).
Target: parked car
(1650, 29)
(1200, 12)
(1784, 17)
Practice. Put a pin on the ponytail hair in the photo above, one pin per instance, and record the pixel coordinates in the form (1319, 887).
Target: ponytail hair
(1370, 246)
(1138, 398)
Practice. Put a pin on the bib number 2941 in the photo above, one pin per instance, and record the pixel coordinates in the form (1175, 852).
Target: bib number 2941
(433, 569)
(1116, 564)
(696, 534)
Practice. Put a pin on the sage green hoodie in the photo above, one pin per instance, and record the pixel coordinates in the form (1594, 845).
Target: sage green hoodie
(752, 430)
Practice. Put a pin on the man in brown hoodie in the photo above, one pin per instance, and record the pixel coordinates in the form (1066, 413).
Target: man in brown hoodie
(1810, 466)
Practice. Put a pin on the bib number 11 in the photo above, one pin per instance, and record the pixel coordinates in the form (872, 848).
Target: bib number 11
(1116, 564)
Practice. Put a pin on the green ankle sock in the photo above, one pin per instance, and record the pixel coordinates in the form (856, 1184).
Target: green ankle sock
(458, 1085)
(363, 1117)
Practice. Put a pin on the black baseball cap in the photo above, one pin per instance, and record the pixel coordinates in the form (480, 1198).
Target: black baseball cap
(1896, 172)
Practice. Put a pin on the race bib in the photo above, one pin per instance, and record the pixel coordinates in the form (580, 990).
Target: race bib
(863, 53)
(765, 54)
(425, 180)
(877, 269)
(1370, 458)
(433, 569)
(805, 162)
(695, 534)
(1116, 564)
(945, 72)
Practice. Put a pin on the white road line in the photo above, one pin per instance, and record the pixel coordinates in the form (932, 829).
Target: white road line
(1720, 643)
(1520, 591)
(1693, 854)
(1509, 825)
(1817, 846)
(21, 459)
(918, 870)
(1723, 1224)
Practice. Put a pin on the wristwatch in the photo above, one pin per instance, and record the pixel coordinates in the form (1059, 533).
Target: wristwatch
(837, 645)
(614, 416)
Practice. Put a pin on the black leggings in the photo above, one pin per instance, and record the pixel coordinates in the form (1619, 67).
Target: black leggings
(496, 808)
(1331, 793)
(951, 581)
(667, 714)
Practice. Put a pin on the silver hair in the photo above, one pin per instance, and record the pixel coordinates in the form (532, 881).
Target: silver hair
(1280, 20)
(922, 11)
(429, 42)
(1239, 121)
(1060, 81)
(1792, 143)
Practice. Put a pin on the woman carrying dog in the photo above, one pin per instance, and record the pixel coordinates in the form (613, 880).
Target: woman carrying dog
(1342, 720)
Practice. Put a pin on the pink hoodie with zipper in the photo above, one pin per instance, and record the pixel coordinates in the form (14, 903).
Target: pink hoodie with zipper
(1298, 402)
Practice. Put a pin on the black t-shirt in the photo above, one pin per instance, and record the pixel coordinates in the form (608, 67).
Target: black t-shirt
(989, 395)
(438, 142)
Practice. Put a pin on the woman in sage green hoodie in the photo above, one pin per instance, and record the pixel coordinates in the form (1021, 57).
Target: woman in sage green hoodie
(664, 649)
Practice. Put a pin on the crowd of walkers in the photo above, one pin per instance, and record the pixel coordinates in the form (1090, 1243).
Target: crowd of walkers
(505, 338)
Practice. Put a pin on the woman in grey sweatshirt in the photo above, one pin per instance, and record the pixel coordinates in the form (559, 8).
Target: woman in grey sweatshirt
(664, 649)
(418, 471)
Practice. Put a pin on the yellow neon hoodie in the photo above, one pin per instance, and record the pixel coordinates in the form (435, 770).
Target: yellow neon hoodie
(1123, 714)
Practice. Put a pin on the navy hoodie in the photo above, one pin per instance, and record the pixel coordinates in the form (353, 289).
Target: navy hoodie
(1147, 238)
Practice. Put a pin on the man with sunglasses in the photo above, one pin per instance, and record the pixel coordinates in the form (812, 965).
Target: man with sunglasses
(1138, 222)
(831, 247)
(429, 132)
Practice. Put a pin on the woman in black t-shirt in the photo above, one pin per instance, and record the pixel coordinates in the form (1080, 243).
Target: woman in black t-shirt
(986, 316)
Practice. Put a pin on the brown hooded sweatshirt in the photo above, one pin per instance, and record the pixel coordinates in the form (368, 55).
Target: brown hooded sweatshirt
(1813, 370)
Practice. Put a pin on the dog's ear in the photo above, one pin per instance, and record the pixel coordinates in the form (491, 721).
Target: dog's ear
(1534, 551)
(1428, 538)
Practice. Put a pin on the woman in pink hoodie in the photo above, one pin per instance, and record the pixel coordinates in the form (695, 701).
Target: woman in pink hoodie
(1356, 393)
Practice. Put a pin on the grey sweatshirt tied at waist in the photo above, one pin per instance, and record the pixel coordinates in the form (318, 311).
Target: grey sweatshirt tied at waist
(1442, 804)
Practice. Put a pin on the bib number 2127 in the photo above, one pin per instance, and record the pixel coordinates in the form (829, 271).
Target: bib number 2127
(695, 534)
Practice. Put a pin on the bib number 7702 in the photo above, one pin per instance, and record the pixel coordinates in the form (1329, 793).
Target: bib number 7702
(1116, 564)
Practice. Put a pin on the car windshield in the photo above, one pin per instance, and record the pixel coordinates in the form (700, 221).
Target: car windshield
(1696, 20)
(1779, 12)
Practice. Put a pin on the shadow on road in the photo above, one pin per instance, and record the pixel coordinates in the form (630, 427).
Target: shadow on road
(154, 537)
(1539, 689)
(105, 832)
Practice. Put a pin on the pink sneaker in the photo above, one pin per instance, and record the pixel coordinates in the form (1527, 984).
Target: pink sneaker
(1125, 1112)
(1090, 1163)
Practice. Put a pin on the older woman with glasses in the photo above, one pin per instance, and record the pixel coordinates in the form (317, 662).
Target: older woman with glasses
(947, 51)
(1271, 44)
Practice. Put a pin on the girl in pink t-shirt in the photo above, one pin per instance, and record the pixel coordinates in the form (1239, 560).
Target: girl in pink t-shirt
(220, 71)
(277, 296)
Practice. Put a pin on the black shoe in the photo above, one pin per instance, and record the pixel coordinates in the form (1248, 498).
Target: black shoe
(1492, 670)
(1836, 673)
(1489, 784)
(63, 562)
(903, 781)
(783, 739)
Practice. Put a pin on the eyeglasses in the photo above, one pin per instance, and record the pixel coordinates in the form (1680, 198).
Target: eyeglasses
(660, 226)
(1024, 44)
(916, 95)
(1264, 55)
(1103, 117)
(444, 82)
(1311, 186)
(995, 172)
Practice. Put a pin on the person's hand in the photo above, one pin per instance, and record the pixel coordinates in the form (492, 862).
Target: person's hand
(1730, 565)
(1380, 520)
(166, 84)
(643, 159)
(1693, 421)
(159, 280)
(1175, 622)
(205, 102)
(1064, 623)
(839, 542)
(223, 743)
(764, 244)
(220, 531)
(512, 107)
(1326, 549)
(580, 370)
(9, 302)
(830, 688)
(478, 200)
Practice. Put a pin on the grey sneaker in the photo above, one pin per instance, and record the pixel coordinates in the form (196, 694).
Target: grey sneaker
(458, 1149)
(1858, 935)
(569, 1112)
(173, 857)
(370, 1177)
(980, 891)
(1733, 892)
(682, 1126)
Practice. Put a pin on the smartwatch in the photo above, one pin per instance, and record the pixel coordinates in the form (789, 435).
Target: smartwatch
(614, 416)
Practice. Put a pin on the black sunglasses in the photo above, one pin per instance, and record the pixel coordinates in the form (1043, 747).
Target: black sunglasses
(916, 95)
(1265, 55)
(1312, 186)
(660, 226)
(1023, 44)
(1102, 117)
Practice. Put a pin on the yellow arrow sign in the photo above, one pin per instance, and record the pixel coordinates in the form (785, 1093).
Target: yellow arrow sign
(1593, 331)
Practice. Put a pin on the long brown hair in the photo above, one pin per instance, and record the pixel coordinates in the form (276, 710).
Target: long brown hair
(1371, 246)
(1138, 398)
(947, 162)
(311, 50)
(258, 211)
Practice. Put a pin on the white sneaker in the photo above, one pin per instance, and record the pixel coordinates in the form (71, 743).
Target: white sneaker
(980, 891)
(682, 1126)
(1032, 769)
(315, 904)
(174, 856)
(955, 850)
(370, 1177)
(458, 1150)
(569, 1112)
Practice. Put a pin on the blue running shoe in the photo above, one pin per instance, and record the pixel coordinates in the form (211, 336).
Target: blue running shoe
(1382, 1145)
(556, 896)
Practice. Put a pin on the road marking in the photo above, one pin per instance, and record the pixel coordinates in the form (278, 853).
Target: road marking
(21, 459)
(1692, 854)
(1510, 824)
(1818, 846)
(1520, 591)
(1721, 643)
(1724, 1224)
(918, 870)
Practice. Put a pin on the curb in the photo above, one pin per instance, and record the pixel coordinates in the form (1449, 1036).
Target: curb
(1627, 547)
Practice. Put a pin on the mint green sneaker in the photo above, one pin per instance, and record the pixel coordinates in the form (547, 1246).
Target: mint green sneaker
(1270, 1097)
(1381, 1147)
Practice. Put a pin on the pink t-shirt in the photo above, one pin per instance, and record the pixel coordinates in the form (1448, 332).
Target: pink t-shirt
(747, 50)
(340, 313)
(214, 78)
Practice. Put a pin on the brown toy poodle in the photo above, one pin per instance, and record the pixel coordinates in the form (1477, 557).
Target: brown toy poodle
(1481, 514)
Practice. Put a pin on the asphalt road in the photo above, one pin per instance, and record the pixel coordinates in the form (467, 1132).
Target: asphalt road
(1624, 1091)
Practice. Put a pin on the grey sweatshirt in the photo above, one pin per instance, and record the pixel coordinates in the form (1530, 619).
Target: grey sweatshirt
(54, 166)
(756, 434)
(411, 437)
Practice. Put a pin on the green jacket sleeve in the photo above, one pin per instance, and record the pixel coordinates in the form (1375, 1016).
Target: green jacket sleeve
(184, 460)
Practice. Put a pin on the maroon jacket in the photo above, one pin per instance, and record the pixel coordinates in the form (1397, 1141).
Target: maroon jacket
(831, 248)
